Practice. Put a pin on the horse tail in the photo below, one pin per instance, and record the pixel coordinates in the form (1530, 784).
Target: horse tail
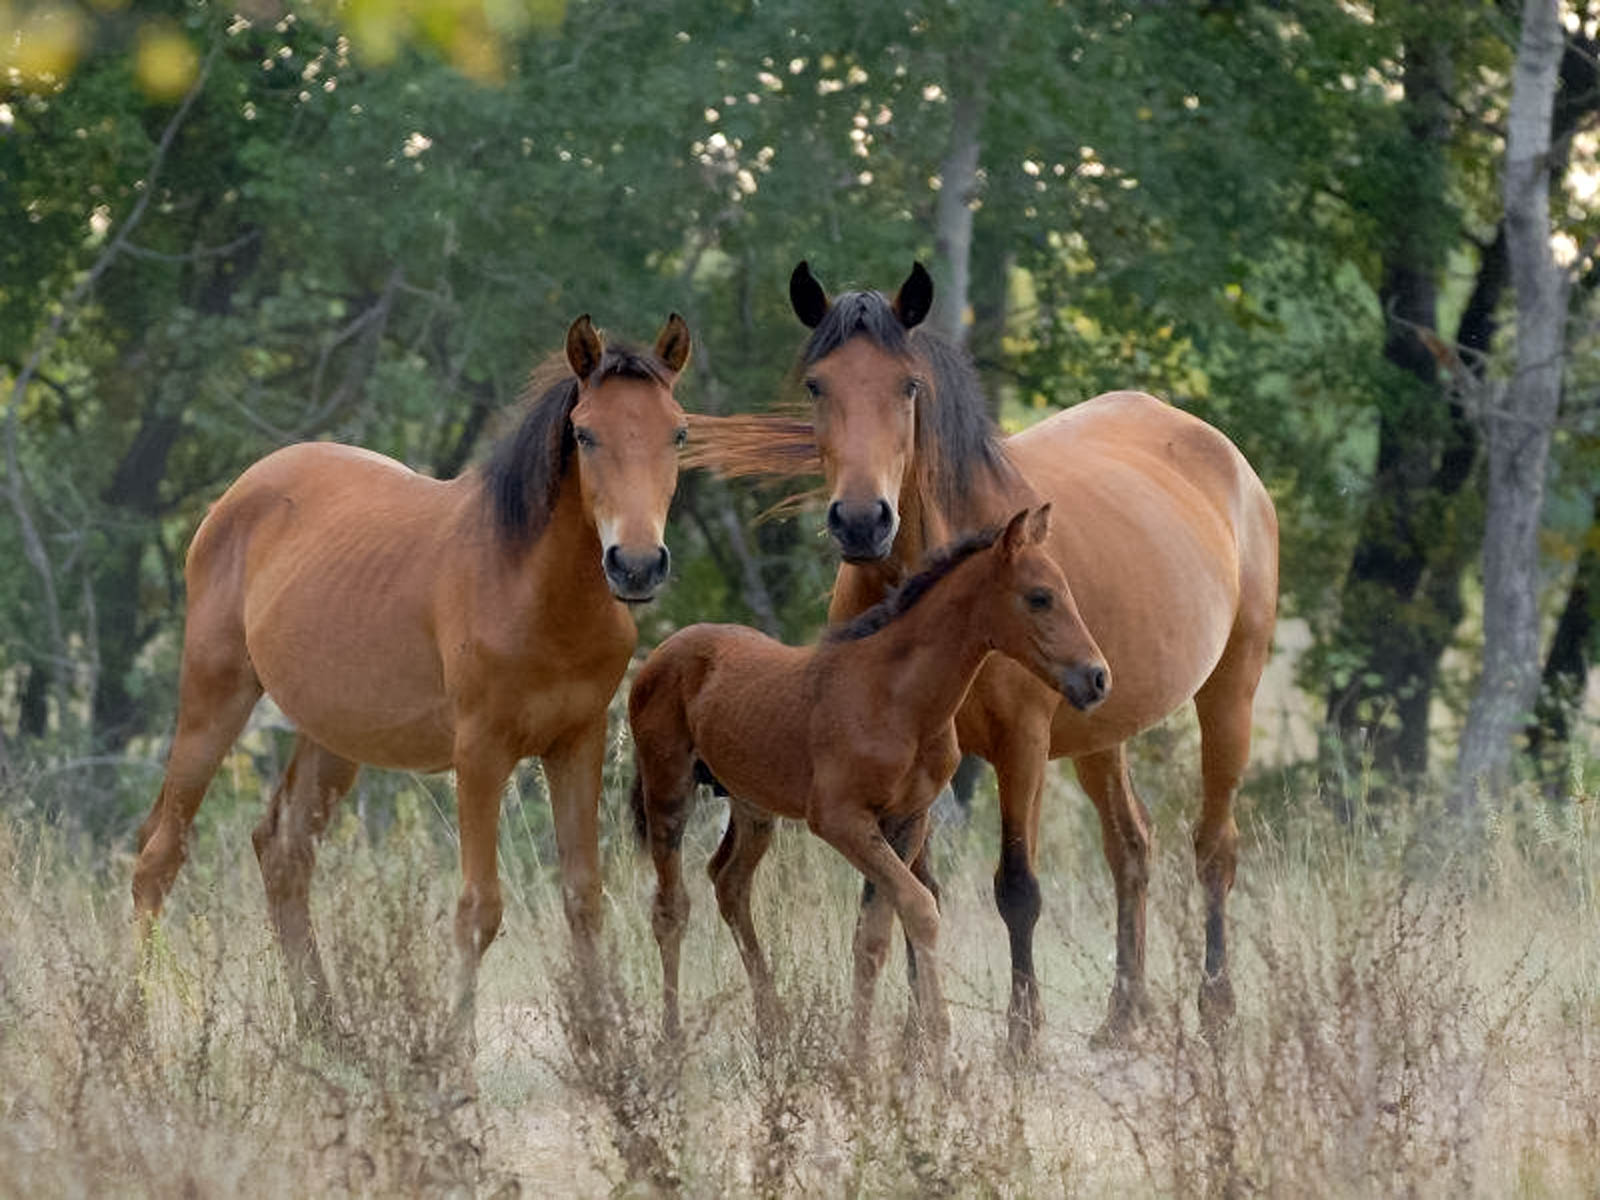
(641, 827)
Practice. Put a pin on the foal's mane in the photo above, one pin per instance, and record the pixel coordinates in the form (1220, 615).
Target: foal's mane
(523, 473)
(897, 603)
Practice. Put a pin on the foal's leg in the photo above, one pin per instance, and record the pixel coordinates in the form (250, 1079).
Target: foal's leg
(1125, 837)
(285, 843)
(854, 833)
(666, 777)
(732, 870)
(216, 691)
(1224, 708)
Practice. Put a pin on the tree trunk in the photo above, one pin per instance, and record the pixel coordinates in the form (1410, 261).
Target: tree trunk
(1401, 598)
(953, 213)
(1566, 667)
(1518, 430)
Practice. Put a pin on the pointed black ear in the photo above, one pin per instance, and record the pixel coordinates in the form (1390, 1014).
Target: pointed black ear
(1016, 533)
(915, 297)
(672, 343)
(584, 349)
(806, 295)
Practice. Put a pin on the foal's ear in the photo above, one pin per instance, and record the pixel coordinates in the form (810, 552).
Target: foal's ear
(672, 343)
(809, 301)
(915, 297)
(1018, 533)
(584, 349)
(1039, 523)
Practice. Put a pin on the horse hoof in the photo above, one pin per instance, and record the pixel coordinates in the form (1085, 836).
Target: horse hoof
(1024, 1019)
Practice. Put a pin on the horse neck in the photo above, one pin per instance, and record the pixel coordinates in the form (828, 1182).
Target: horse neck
(925, 524)
(559, 573)
(934, 649)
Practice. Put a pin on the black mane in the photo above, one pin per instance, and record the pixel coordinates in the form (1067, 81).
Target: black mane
(897, 603)
(522, 476)
(958, 445)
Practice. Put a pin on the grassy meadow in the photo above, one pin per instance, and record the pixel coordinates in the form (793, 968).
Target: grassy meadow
(1418, 1016)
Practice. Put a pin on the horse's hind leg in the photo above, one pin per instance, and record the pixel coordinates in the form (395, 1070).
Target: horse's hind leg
(666, 780)
(1223, 706)
(1125, 837)
(732, 870)
(216, 691)
(285, 842)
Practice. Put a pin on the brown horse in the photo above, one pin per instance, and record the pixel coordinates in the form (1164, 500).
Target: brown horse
(402, 621)
(855, 736)
(1171, 546)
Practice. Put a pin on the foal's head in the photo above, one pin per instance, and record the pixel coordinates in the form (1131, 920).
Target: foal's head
(628, 428)
(1032, 617)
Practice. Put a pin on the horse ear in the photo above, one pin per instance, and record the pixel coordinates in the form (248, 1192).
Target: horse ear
(915, 297)
(1039, 523)
(810, 302)
(584, 349)
(672, 343)
(1016, 532)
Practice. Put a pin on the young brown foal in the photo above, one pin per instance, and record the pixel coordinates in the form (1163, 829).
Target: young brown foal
(407, 622)
(855, 736)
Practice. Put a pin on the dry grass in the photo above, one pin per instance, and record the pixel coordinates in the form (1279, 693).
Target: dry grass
(1414, 1019)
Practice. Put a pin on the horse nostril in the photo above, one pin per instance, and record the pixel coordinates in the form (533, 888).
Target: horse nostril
(835, 518)
(612, 561)
(1097, 681)
(885, 514)
(663, 563)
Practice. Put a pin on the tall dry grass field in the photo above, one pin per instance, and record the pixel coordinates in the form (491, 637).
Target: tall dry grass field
(1418, 1015)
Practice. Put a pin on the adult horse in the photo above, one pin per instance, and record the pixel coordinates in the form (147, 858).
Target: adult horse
(402, 621)
(1167, 537)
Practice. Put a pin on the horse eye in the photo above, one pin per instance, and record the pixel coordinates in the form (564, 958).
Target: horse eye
(1040, 600)
(913, 386)
(680, 438)
(584, 438)
(813, 389)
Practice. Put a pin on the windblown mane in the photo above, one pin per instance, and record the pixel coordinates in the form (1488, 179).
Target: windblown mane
(897, 603)
(522, 476)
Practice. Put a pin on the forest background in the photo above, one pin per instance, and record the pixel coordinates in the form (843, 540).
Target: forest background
(228, 227)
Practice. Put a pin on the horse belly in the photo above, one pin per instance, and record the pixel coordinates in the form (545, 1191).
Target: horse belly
(354, 667)
(1146, 541)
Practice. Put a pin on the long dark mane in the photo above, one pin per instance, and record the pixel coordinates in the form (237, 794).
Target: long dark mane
(958, 445)
(522, 476)
(897, 603)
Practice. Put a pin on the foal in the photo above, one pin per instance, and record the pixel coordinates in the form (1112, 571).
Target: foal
(855, 735)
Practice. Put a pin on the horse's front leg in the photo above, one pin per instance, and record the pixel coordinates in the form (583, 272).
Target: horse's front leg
(482, 765)
(573, 768)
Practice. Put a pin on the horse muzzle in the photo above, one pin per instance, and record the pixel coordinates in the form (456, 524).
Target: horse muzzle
(864, 532)
(1086, 685)
(635, 576)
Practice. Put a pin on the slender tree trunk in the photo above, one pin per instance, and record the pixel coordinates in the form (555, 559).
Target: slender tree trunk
(1519, 429)
(953, 213)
